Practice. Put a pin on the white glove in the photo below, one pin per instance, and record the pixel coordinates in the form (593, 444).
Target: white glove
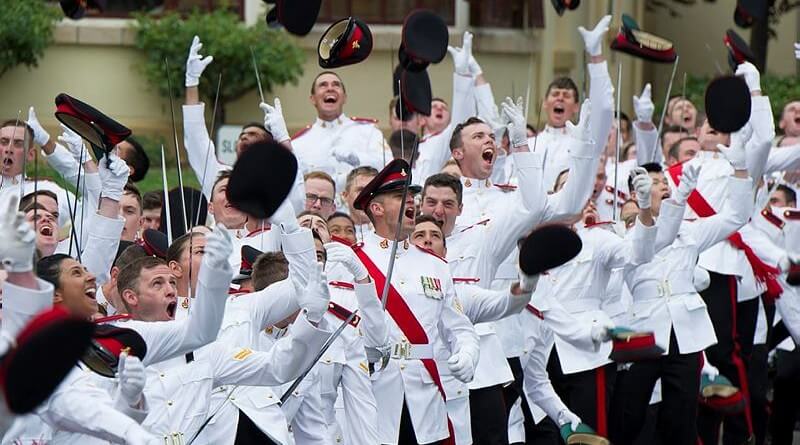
(40, 136)
(735, 153)
(17, 238)
(219, 246)
(195, 63)
(73, 142)
(688, 181)
(339, 253)
(517, 129)
(285, 217)
(274, 121)
(751, 76)
(568, 417)
(708, 369)
(461, 56)
(643, 105)
(582, 131)
(131, 379)
(378, 353)
(113, 176)
(642, 183)
(797, 51)
(342, 154)
(474, 68)
(499, 123)
(316, 297)
(593, 40)
(600, 333)
(462, 366)
(527, 283)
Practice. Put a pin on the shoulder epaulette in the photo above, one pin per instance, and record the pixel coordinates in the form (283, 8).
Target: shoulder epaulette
(301, 132)
(342, 284)
(792, 214)
(506, 187)
(343, 313)
(364, 120)
(771, 218)
(466, 280)
(112, 318)
(429, 251)
(533, 310)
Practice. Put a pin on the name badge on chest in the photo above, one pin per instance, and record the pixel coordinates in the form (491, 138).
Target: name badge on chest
(432, 287)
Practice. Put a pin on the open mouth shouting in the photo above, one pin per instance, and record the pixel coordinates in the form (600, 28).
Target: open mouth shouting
(488, 155)
(171, 307)
(559, 110)
(330, 99)
(91, 293)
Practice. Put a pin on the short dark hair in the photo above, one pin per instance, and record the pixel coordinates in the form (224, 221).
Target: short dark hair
(49, 268)
(33, 206)
(261, 127)
(20, 123)
(128, 277)
(131, 189)
(672, 129)
(127, 256)
(364, 170)
(675, 148)
(455, 139)
(789, 194)
(269, 268)
(152, 200)
(31, 197)
(322, 73)
(176, 249)
(138, 160)
(445, 180)
(422, 218)
(651, 167)
(564, 83)
(342, 215)
(223, 174)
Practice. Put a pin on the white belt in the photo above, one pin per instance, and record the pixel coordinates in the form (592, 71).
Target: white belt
(407, 351)
(651, 290)
(174, 439)
(582, 304)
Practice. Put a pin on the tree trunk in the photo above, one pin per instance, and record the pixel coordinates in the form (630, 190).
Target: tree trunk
(759, 38)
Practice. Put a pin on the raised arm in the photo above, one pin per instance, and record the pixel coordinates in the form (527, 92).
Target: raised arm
(761, 121)
(600, 89)
(484, 305)
(647, 148)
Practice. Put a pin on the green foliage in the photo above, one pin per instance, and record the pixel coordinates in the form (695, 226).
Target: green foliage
(225, 37)
(780, 89)
(26, 28)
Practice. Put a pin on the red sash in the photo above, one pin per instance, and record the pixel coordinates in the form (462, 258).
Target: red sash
(407, 322)
(763, 272)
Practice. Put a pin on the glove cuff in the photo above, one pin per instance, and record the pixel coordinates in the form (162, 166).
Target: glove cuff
(192, 81)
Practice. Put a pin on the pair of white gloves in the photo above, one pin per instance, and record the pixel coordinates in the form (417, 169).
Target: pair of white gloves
(273, 114)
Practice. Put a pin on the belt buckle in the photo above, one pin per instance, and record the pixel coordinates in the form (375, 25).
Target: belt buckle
(173, 439)
(402, 349)
(664, 289)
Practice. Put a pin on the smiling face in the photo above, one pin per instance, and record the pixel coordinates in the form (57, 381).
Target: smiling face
(477, 153)
(790, 119)
(429, 236)
(442, 204)
(13, 143)
(328, 96)
(439, 118)
(46, 226)
(76, 289)
(682, 112)
(224, 213)
(155, 296)
(561, 105)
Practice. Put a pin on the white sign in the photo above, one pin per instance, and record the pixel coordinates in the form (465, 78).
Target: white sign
(226, 143)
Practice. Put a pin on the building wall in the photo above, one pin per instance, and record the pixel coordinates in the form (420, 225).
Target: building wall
(94, 60)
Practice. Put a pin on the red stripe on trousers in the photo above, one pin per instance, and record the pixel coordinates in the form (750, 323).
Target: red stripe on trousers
(600, 383)
(736, 357)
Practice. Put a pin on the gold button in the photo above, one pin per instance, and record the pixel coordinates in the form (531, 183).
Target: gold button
(402, 367)
(169, 402)
(233, 398)
(327, 360)
(458, 392)
(269, 396)
(297, 393)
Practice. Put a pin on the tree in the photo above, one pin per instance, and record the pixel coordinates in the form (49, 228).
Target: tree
(761, 31)
(226, 38)
(26, 29)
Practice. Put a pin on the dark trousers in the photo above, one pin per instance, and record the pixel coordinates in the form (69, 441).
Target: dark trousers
(758, 380)
(489, 416)
(786, 397)
(680, 385)
(588, 393)
(647, 435)
(734, 325)
(546, 431)
(247, 433)
(407, 435)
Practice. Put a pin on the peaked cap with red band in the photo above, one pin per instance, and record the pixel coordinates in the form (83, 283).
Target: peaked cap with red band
(107, 344)
(296, 16)
(102, 132)
(424, 40)
(155, 243)
(47, 349)
(738, 50)
(632, 40)
(346, 42)
(393, 177)
(631, 346)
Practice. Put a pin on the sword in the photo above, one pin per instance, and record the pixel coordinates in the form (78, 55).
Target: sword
(208, 147)
(166, 196)
(258, 77)
(177, 150)
(666, 102)
(616, 149)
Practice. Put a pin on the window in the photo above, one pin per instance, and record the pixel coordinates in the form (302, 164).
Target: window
(124, 8)
(516, 14)
(378, 12)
